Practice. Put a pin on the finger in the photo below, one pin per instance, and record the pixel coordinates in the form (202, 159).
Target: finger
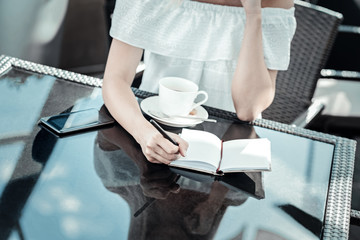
(183, 145)
(168, 146)
(161, 152)
(152, 156)
(154, 153)
(160, 156)
(167, 150)
(163, 146)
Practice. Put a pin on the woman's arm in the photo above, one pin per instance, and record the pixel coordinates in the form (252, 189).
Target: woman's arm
(253, 85)
(123, 106)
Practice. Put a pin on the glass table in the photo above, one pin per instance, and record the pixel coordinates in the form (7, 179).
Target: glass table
(98, 185)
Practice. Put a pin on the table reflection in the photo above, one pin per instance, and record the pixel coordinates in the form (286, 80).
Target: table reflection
(169, 202)
(49, 187)
(17, 192)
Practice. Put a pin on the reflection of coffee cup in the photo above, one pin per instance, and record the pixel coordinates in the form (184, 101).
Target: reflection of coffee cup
(177, 95)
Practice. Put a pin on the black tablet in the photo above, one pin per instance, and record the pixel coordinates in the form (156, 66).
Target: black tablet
(66, 123)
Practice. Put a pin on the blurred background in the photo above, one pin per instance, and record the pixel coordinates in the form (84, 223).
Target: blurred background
(73, 35)
(68, 34)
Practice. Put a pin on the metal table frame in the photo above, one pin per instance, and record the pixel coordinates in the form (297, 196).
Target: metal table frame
(338, 208)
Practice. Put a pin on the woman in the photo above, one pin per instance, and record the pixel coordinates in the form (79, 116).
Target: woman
(231, 48)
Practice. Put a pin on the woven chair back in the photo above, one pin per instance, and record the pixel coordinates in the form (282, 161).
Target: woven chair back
(316, 30)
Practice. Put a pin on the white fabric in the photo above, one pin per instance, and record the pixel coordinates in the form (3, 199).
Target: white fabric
(198, 41)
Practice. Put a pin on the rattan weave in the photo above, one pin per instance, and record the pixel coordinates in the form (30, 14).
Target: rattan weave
(355, 214)
(314, 37)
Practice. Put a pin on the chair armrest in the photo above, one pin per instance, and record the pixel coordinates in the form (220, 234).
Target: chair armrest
(355, 214)
(138, 75)
(355, 217)
(306, 117)
(140, 68)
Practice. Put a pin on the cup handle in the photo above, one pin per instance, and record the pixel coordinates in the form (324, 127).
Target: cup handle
(195, 105)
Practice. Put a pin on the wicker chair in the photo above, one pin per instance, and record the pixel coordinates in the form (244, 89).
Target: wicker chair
(316, 30)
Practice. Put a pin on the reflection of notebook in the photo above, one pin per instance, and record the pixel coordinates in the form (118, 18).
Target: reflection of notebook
(250, 183)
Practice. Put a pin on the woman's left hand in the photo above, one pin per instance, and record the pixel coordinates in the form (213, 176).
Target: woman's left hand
(252, 6)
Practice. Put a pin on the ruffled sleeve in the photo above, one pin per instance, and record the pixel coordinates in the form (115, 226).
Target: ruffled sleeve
(278, 32)
(200, 31)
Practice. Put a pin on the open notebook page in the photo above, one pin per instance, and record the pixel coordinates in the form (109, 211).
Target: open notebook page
(204, 149)
(246, 154)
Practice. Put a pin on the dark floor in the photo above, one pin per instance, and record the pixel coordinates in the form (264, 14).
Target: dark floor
(354, 230)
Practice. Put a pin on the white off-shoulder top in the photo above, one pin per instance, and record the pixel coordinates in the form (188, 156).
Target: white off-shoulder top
(198, 41)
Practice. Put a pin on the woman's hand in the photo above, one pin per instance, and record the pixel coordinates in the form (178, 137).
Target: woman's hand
(251, 6)
(158, 149)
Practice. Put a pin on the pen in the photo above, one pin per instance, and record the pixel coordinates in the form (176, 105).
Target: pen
(157, 126)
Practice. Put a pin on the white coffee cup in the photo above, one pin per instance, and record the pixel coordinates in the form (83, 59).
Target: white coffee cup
(177, 95)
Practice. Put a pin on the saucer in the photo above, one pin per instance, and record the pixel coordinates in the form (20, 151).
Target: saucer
(151, 104)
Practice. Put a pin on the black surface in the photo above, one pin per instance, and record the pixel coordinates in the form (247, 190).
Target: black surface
(345, 54)
(88, 186)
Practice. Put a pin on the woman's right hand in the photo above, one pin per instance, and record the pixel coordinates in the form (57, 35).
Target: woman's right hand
(158, 149)
(118, 97)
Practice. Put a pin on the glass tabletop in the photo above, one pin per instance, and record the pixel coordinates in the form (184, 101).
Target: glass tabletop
(98, 185)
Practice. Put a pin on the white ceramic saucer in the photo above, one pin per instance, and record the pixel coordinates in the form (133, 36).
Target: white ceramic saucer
(151, 104)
